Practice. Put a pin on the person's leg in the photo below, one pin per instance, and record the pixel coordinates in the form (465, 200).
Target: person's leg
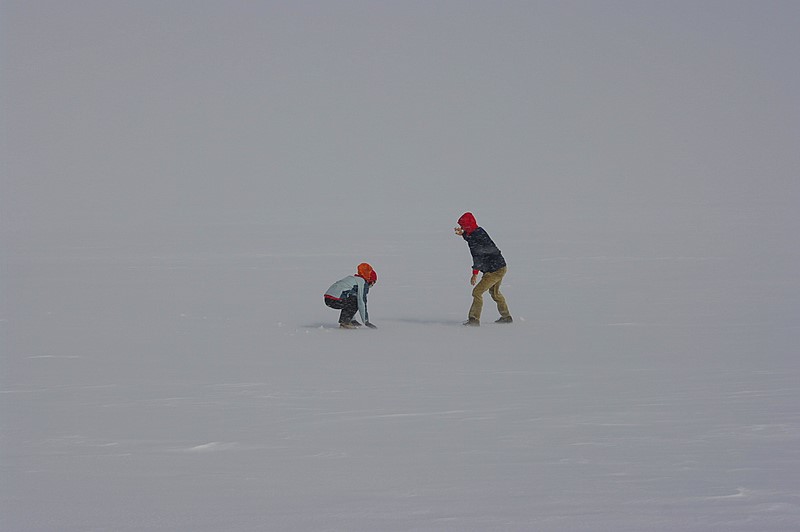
(477, 302)
(349, 309)
(487, 281)
(335, 304)
(341, 304)
(498, 297)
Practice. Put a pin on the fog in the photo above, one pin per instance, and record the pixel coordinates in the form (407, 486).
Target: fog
(614, 115)
(182, 180)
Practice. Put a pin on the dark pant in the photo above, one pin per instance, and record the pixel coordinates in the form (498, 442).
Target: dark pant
(348, 306)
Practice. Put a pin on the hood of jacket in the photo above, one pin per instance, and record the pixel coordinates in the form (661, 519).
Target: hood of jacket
(468, 222)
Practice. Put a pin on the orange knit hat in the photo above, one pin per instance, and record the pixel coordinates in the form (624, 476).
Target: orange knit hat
(364, 271)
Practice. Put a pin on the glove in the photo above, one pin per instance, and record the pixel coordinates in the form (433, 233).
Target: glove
(371, 325)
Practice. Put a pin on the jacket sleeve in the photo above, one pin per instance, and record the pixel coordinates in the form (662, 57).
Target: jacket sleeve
(362, 299)
(477, 248)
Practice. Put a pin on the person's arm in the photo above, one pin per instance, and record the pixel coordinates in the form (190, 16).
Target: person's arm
(475, 250)
(362, 299)
(483, 250)
(474, 279)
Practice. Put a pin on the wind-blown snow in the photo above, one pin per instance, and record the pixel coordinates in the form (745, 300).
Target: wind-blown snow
(182, 181)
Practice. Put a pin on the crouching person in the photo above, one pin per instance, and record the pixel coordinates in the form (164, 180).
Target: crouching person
(350, 296)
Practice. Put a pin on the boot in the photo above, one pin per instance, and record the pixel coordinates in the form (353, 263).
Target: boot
(472, 322)
(346, 325)
(505, 319)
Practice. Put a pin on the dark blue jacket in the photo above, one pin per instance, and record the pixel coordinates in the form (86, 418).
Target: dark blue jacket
(485, 255)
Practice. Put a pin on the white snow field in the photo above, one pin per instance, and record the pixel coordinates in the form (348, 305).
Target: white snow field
(204, 387)
(183, 179)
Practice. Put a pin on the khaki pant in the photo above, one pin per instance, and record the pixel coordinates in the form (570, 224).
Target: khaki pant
(491, 282)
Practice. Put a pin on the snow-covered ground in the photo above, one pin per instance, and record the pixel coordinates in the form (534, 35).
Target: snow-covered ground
(202, 386)
(182, 180)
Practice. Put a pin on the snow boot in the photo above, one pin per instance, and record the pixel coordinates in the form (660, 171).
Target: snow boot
(346, 325)
(472, 322)
(505, 319)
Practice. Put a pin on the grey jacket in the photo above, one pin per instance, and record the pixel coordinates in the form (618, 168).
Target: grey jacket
(352, 285)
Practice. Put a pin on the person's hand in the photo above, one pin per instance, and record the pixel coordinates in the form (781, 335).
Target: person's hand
(371, 325)
(459, 231)
(474, 279)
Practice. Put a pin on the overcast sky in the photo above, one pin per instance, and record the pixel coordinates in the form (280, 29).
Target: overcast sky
(587, 114)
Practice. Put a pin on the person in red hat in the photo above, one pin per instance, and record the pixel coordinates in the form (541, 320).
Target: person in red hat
(350, 296)
(486, 258)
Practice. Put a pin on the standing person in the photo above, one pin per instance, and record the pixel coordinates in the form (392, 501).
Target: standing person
(350, 296)
(486, 258)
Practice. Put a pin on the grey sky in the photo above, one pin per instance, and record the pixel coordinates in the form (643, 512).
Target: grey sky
(596, 114)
